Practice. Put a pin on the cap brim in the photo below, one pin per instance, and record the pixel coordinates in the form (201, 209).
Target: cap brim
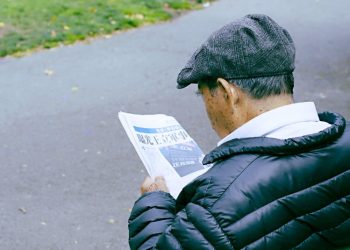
(181, 86)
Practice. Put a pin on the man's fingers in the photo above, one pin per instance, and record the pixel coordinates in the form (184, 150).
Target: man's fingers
(159, 178)
(148, 181)
(146, 184)
(160, 181)
(149, 185)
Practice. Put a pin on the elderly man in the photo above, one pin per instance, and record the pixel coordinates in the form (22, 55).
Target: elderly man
(281, 173)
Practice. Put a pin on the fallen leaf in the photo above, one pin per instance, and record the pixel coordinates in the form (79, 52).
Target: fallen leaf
(93, 10)
(49, 72)
(139, 16)
(206, 5)
(2, 25)
(22, 210)
(75, 89)
(135, 16)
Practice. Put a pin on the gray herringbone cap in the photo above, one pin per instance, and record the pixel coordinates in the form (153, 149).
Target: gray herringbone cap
(253, 46)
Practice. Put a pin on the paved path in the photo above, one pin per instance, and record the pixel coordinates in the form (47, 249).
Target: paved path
(68, 172)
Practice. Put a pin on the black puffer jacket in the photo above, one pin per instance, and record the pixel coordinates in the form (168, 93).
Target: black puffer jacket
(262, 193)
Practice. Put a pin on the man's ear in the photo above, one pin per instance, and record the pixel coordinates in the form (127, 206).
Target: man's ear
(231, 94)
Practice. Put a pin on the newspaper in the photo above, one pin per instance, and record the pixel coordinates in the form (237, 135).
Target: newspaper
(165, 148)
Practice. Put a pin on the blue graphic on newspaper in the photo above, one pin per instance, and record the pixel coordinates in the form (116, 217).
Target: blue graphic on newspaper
(175, 145)
(185, 158)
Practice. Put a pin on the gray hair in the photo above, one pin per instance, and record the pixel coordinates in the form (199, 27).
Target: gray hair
(261, 87)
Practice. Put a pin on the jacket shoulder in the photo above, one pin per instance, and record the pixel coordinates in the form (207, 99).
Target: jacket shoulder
(209, 187)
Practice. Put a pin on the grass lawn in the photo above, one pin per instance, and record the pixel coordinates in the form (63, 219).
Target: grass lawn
(29, 24)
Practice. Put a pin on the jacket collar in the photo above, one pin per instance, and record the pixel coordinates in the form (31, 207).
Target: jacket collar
(272, 146)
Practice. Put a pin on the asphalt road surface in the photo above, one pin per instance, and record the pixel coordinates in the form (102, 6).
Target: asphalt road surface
(69, 175)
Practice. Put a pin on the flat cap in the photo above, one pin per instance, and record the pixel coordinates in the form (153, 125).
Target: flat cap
(253, 46)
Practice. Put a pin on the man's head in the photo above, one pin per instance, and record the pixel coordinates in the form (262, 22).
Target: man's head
(242, 70)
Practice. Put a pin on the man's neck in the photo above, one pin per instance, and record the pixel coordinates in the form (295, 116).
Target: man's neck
(256, 107)
(250, 108)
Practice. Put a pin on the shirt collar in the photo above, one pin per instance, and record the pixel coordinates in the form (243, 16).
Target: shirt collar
(274, 119)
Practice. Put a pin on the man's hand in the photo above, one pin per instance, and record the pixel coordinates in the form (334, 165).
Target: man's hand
(158, 184)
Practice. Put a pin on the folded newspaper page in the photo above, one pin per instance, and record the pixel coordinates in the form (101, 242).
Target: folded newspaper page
(165, 148)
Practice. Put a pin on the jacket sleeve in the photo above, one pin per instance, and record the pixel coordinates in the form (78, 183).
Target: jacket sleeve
(151, 215)
(153, 224)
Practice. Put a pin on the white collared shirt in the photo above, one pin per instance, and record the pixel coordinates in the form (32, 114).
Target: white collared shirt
(293, 120)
